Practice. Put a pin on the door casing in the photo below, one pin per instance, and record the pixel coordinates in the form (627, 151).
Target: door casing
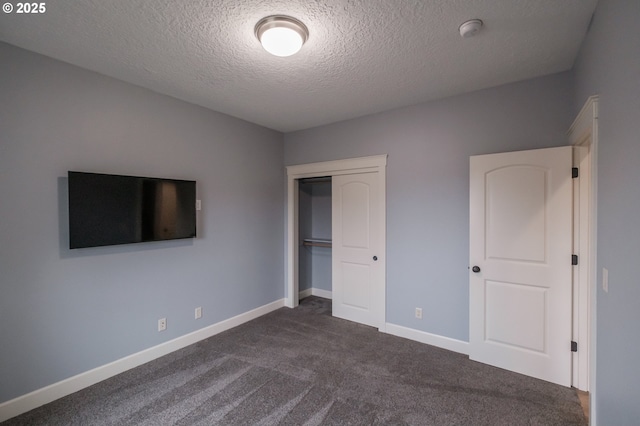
(377, 164)
(584, 133)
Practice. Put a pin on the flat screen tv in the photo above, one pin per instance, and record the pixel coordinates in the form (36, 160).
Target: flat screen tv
(109, 210)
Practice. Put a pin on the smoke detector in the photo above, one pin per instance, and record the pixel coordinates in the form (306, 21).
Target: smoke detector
(470, 28)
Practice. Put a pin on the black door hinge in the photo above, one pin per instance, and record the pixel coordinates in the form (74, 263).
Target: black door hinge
(574, 346)
(574, 172)
(574, 259)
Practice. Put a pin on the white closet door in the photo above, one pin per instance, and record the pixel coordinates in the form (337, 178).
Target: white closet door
(357, 275)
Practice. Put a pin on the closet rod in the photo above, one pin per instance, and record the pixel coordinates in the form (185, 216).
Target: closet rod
(316, 242)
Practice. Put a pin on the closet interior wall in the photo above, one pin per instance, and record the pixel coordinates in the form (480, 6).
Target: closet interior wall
(314, 219)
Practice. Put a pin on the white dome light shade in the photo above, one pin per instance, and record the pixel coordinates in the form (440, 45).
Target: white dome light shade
(281, 35)
(281, 41)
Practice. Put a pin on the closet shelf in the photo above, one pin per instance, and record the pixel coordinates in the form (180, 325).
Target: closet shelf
(316, 242)
(323, 179)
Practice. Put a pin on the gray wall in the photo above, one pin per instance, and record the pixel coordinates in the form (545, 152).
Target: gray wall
(314, 218)
(428, 183)
(64, 312)
(305, 225)
(609, 65)
(321, 228)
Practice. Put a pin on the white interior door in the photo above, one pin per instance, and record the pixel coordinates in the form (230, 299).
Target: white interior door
(520, 254)
(357, 278)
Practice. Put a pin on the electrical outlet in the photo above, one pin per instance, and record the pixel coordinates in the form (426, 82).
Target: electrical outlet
(605, 280)
(198, 312)
(419, 313)
(162, 324)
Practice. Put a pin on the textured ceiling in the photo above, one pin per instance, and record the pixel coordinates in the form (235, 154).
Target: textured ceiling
(362, 56)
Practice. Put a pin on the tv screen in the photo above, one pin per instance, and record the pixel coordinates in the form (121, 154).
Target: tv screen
(112, 209)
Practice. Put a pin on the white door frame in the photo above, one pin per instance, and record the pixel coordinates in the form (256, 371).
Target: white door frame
(376, 163)
(584, 133)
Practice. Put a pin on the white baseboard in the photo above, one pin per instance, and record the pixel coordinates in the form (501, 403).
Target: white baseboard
(315, 292)
(305, 293)
(428, 338)
(321, 293)
(27, 402)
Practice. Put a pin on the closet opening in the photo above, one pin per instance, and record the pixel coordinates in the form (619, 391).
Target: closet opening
(314, 231)
(357, 286)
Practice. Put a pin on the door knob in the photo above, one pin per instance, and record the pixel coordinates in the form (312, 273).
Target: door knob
(375, 258)
(476, 269)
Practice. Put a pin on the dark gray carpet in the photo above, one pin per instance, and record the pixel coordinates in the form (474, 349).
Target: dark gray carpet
(303, 367)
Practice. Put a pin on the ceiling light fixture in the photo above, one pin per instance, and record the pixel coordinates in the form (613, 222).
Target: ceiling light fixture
(470, 28)
(281, 35)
